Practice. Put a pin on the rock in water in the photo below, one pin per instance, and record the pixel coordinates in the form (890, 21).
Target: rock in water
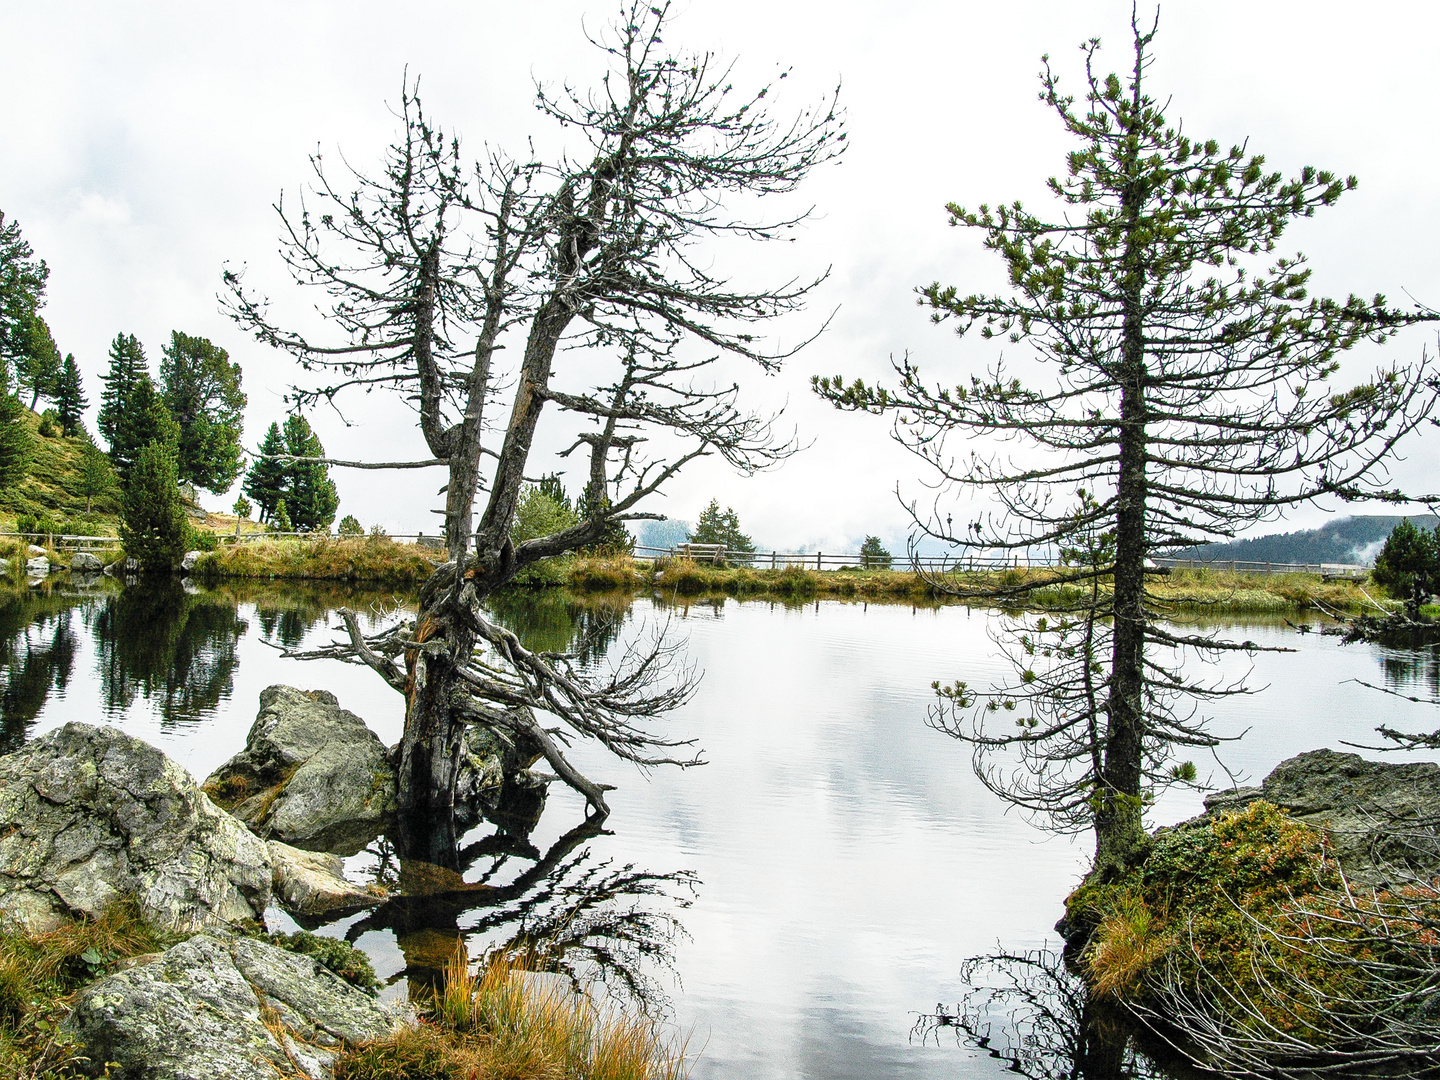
(199, 1011)
(90, 816)
(311, 774)
(187, 564)
(85, 562)
(312, 883)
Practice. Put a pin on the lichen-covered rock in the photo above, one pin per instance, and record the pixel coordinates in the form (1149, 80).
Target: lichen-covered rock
(85, 562)
(90, 815)
(38, 566)
(310, 883)
(187, 563)
(210, 1009)
(1379, 815)
(311, 774)
(494, 780)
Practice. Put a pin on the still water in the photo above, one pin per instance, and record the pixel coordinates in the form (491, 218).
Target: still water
(801, 898)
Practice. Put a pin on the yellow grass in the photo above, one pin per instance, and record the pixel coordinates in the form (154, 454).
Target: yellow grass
(500, 1025)
(375, 559)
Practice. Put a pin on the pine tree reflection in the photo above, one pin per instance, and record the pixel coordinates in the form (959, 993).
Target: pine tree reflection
(160, 641)
(552, 620)
(1028, 1010)
(37, 655)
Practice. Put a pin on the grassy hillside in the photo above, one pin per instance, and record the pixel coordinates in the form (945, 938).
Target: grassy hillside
(1346, 540)
(53, 486)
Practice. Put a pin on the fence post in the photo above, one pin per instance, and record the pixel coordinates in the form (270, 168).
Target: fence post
(818, 557)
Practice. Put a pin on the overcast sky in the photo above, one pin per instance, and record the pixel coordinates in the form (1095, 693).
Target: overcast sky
(145, 143)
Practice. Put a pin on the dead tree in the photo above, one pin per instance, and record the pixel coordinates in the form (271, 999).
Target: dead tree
(587, 270)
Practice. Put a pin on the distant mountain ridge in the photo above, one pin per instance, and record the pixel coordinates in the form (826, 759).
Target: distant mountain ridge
(1346, 540)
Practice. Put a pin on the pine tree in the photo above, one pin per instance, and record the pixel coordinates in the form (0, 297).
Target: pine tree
(874, 555)
(310, 494)
(70, 400)
(350, 526)
(265, 482)
(37, 367)
(201, 388)
(97, 478)
(144, 420)
(1183, 389)
(22, 292)
(16, 442)
(280, 521)
(716, 526)
(127, 367)
(152, 527)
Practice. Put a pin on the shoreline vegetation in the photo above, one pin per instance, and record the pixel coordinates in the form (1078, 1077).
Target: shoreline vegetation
(379, 560)
(383, 561)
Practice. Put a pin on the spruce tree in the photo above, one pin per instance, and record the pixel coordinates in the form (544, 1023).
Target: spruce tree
(201, 388)
(152, 527)
(265, 482)
(280, 520)
(127, 367)
(70, 400)
(310, 494)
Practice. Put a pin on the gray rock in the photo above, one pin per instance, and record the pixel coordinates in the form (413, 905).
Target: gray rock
(4, 566)
(132, 565)
(187, 564)
(34, 549)
(199, 1011)
(311, 774)
(91, 815)
(85, 562)
(313, 882)
(1383, 819)
(37, 567)
(494, 780)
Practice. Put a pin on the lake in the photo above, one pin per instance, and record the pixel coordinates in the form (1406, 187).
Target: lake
(799, 900)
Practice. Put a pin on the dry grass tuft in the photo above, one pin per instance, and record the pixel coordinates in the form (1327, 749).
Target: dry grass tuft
(504, 1024)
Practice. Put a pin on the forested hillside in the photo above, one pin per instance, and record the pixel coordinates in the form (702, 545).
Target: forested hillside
(1345, 540)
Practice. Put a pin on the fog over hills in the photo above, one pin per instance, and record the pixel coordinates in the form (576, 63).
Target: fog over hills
(1344, 540)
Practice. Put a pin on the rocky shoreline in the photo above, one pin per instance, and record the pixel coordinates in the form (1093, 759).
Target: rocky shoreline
(91, 818)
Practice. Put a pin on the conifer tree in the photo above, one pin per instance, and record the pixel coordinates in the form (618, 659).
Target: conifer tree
(265, 482)
(37, 367)
(22, 292)
(310, 495)
(97, 478)
(16, 442)
(152, 527)
(280, 520)
(70, 400)
(144, 420)
(1191, 395)
(716, 526)
(201, 388)
(127, 367)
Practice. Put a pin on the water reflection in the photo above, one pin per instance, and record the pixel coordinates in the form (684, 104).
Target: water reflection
(551, 620)
(172, 646)
(37, 655)
(575, 913)
(1029, 1011)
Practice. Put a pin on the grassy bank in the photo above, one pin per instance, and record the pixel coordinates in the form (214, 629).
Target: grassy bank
(386, 563)
(371, 559)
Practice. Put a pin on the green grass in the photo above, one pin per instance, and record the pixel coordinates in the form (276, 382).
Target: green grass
(53, 486)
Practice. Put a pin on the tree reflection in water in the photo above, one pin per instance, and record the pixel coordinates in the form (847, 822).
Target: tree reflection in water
(37, 655)
(552, 620)
(167, 644)
(573, 912)
(1028, 1010)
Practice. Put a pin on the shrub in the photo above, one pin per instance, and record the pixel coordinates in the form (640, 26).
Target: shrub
(50, 425)
(200, 539)
(350, 526)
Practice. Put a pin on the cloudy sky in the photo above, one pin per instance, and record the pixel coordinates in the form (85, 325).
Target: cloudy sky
(145, 144)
